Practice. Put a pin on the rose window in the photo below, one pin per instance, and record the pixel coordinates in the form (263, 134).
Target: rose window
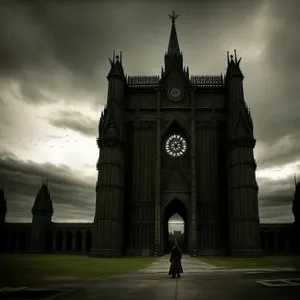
(176, 145)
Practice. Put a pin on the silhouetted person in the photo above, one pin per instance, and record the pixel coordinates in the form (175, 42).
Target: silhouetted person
(175, 260)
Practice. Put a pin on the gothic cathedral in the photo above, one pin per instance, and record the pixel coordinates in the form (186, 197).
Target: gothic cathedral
(181, 144)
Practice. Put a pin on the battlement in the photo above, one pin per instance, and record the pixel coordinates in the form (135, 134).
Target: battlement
(71, 223)
(199, 81)
(142, 81)
(18, 223)
(207, 81)
(275, 224)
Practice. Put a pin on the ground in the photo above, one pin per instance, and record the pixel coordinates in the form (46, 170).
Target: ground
(31, 270)
(201, 280)
(253, 262)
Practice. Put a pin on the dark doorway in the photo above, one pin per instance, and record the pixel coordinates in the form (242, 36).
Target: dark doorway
(176, 231)
(69, 240)
(88, 241)
(59, 241)
(49, 240)
(174, 210)
(78, 238)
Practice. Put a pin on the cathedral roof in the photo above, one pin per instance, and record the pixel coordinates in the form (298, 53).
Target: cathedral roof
(43, 202)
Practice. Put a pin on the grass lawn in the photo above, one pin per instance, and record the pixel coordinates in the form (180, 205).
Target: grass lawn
(29, 270)
(282, 261)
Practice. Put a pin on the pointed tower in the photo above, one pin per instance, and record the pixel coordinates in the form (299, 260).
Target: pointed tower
(296, 203)
(3, 207)
(173, 58)
(108, 222)
(3, 211)
(42, 212)
(244, 228)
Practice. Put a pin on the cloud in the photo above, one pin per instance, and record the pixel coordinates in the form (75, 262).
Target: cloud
(53, 54)
(76, 121)
(74, 195)
(277, 152)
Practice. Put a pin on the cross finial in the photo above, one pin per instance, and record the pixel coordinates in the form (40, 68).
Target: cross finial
(173, 17)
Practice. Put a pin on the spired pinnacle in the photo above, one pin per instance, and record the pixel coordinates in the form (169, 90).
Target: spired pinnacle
(116, 66)
(3, 207)
(173, 42)
(43, 201)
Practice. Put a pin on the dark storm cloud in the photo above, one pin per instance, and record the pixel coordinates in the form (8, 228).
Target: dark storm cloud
(75, 121)
(42, 39)
(280, 151)
(22, 179)
(275, 101)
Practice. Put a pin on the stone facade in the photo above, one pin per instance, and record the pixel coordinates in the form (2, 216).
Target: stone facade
(170, 144)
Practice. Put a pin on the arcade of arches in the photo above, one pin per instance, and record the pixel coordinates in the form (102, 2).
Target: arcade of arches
(60, 241)
(275, 238)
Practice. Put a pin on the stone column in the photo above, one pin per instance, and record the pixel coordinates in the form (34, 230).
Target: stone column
(83, 247)
(17, 249)
(157, 246)
(267, 243)
(64, 242)
(73, 242)
(193, 219)
(276, 241)
(54, 242)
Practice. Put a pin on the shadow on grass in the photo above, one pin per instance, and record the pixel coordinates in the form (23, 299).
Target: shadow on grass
(30, 270)
(276, 261)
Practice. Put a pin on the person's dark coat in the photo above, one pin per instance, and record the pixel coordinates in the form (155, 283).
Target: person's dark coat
(175, 260)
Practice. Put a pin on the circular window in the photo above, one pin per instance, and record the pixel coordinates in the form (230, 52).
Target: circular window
(176, 145)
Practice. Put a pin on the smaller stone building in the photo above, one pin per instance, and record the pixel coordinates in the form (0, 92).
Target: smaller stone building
(44, 236)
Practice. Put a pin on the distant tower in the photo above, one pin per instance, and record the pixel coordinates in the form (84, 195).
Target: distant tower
(296, 203)
(244, 228)
(3, 207)
(109, 212)
(42, 212)
(3, 210)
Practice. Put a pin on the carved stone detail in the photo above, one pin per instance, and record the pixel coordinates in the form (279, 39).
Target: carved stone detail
(144, 124)
(207, 124)
(110, 142)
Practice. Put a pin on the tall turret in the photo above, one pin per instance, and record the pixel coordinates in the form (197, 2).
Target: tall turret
(42, 212)
(173, 58)
(3, 210)
(108, 222)
(296, 203)
(244, 228)
(3, 207)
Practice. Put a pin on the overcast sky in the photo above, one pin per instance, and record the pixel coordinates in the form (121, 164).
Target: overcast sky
(53, 67)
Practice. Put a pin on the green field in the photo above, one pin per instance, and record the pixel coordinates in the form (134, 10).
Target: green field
(27, 269)
(283, 261)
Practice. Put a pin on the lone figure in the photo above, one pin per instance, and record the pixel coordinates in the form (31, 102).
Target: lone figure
(175, 260)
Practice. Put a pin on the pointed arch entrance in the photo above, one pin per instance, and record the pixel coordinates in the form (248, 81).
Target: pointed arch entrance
(173, 206)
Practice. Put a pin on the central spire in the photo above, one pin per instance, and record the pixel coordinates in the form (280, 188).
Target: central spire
(173, 58)
(173, 42)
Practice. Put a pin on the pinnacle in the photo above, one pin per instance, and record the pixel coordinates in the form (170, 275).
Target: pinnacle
(43, 201)
(173, 48)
